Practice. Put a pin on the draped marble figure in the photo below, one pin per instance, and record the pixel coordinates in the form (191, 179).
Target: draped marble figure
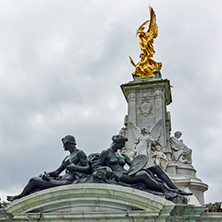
(181, 153)
(145, 141)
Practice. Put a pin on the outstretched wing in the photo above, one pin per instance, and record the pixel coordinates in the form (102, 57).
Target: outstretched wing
(140, 29)
(153, 27)
(135, 130)
(156, 130)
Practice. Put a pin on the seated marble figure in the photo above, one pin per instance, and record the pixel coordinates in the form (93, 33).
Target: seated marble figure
(180, 152)
(75, 165)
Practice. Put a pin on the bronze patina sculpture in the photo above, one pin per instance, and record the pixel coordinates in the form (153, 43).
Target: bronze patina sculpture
(104, 167)
(75, 164)
(152, 179)
(147, 67)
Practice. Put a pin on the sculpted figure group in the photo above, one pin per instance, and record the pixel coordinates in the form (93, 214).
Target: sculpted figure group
(147, 67)
(104, 167)
(147, 143)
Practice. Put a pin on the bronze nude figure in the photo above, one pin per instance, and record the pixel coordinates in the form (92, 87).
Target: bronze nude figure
(152, 178)
(75, 166)
(104, 167)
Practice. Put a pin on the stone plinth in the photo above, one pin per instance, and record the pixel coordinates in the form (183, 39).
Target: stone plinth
(100, 202)
(147, 100)
(147, 103)
(88, 202)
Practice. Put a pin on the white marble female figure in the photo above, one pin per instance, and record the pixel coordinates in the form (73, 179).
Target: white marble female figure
(145, 140)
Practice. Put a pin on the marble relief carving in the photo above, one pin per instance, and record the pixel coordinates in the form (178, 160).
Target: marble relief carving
(145, 108)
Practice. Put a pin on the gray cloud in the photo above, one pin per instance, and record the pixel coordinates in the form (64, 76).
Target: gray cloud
(62, 64)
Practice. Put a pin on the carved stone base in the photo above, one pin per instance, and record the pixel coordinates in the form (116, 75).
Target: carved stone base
(181, 169)
(186, 170)
(194, 185)
(99, 202)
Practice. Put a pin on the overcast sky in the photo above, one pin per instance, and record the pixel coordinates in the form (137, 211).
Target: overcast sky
(61, 67)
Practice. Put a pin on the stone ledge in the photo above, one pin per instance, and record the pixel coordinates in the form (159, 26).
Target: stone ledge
(89, 198)
(145, 84)
(99, 202)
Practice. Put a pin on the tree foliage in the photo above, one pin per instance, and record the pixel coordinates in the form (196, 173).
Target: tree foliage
(214, 206)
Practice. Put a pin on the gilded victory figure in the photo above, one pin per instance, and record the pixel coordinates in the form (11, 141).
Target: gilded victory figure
(147, 66)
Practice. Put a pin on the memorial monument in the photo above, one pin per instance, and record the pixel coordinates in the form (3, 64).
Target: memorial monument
(148, 123)
(145, 174)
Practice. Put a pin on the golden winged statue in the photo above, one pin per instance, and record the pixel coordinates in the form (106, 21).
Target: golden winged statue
(147, 66)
